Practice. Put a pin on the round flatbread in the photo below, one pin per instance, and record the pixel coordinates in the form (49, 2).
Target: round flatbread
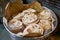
(15, 25)
(29, 18)
(45, 14)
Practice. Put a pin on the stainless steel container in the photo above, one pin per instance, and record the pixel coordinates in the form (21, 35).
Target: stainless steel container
(14, 37)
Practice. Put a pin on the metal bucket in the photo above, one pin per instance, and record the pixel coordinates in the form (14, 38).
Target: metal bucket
(15, 37)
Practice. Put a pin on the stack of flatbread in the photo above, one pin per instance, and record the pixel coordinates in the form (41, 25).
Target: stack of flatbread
(29, 20)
